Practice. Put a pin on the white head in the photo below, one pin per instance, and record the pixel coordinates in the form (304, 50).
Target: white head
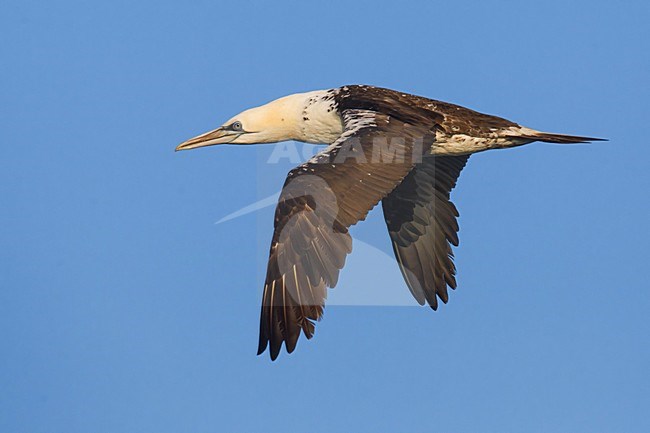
(302, 117)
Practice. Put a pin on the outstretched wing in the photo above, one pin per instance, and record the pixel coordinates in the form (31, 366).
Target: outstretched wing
(320, 200)
(422, 225)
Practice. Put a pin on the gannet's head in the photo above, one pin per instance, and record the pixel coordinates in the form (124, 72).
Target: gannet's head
(283, 119)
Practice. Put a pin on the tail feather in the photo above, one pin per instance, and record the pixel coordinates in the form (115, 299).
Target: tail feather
(557, 138)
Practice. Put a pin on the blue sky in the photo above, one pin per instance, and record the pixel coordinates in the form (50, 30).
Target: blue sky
(125, 308)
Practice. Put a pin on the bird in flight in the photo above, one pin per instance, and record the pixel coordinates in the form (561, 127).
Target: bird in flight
(402, 150)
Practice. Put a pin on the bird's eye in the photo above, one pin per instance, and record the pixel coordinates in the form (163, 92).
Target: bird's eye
(236, 126)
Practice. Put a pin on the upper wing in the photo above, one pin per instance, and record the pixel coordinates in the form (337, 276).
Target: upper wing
(320, 200)
(422, 225)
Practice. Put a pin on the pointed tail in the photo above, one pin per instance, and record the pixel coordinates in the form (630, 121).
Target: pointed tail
(556, 138)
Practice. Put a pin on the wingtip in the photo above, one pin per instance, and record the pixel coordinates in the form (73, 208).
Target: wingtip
(290, 343)
(261, 347)
(275, 353)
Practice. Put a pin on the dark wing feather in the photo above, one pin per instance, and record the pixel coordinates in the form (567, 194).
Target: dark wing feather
(422, 225)
(320, 200)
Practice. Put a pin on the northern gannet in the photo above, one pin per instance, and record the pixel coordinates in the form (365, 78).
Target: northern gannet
(404, 150)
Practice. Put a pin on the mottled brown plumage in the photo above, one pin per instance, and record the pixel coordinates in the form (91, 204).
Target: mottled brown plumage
(422, 225)
(320, 200)
(404, 150)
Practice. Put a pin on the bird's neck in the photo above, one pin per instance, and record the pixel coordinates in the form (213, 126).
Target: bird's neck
(313, 116)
